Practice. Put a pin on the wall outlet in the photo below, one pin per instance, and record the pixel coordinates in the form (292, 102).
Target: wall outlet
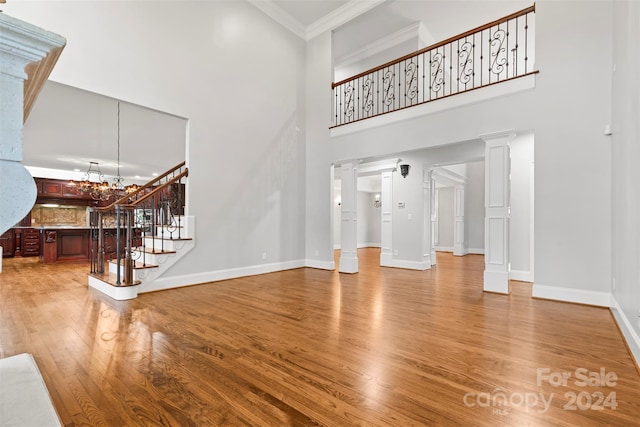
(264, 255)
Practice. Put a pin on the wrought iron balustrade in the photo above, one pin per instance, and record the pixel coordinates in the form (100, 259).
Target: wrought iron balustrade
(119, 231)
(499, 51)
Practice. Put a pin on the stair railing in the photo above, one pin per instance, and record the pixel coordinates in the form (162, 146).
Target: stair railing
(154, 210)
(496, 52)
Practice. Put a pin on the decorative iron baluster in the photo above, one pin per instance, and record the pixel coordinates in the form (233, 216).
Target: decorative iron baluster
(466, 63)
(388, 87)
(348, 101)
(411, 81)
(367, 89)
(437, 72)
(499, 54)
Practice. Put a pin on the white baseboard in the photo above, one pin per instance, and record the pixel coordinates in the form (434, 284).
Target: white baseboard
(629, 334)
(410, 265)
(521, 275)
(368, 245)
(214, 276)
(322, 265)
(443, 248)
(336, 247)
(475, 251)
(118, 293)
(580, 296)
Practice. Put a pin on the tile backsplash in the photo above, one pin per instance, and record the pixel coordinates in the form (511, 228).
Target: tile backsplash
(75, 216)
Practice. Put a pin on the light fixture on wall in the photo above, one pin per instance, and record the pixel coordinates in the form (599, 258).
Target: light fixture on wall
(404, 170)
(376, 202)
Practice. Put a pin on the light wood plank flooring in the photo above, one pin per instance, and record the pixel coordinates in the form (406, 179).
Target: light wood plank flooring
(385, 347)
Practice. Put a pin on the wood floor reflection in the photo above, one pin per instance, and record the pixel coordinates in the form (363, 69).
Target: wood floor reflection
(384, 347)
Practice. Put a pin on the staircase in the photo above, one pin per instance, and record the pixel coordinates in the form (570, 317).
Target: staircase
(136, 239)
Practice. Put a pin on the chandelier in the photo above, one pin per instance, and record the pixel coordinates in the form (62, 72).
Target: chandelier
(93, 183)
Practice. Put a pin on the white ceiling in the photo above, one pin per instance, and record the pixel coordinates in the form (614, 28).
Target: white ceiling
(83, 128)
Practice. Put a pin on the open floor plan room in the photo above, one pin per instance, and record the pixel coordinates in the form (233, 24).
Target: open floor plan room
(384, 347)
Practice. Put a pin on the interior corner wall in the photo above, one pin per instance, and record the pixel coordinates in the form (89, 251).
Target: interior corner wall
(522, 154)
(625, 143)
(474, 208)
(246, 130)
(445, 219)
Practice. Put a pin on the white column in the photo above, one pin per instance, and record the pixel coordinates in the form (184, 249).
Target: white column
(21, 44)
(427, 239)
(434, 219)
(459, 248)
(386, 197)
(349, 217)
(496, 229)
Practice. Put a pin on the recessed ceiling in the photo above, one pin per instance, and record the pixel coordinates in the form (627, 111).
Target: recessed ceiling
(70, 127)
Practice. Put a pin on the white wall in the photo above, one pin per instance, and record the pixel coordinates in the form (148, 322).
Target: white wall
(474, 207)
(572, 155)
(445, 219)
(522, 151)
(368, 221)
(625, 143)
(246, 127)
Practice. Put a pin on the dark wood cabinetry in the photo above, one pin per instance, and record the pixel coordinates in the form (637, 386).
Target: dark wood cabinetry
(60, 191)
(8, 243)
(29, 241)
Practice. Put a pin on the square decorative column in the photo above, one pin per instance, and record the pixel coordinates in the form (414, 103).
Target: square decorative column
(459, 247)
(349, 217)
(386, 218)
(497, 203)
(22, 47)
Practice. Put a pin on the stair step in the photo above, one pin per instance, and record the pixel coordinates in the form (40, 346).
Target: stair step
(112, 279)
(137, 265)
(156, 251)
(168, 239)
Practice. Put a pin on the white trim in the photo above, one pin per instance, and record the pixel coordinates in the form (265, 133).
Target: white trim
(217, 275)
(281, 17)
(416, 30)
(521, 275)
(466, 98)
(369, 245)
(340, 16)
(336, 246)
(628, 333)
(118, 293)
(410, 265)
(475, 251)
(579, 296)
(330, 21)
(496, 282)
(319, 264)
(443, 248)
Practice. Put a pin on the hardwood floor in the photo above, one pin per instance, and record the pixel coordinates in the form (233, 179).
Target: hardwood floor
(384, 347)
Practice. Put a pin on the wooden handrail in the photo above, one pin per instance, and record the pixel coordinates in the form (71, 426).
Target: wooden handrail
(157, 189)
(439, 44)
(125, 199)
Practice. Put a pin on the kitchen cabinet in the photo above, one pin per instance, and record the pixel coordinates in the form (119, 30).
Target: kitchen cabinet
(8, 243)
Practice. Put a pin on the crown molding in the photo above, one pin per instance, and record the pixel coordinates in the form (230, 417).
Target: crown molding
(281, 17)
(340, 16)
(334, 19)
